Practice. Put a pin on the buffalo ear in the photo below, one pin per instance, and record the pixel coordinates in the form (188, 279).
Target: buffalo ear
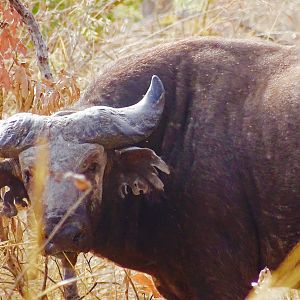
(137, 169)
(10, 177)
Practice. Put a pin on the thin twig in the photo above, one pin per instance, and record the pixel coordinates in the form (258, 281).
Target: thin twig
(276, 18)
(89, 291)
(132, 284)
(1, 102)
(36, 36)
(45, 278)
(58, 268)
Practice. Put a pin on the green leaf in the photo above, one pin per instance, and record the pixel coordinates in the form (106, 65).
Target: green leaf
(36, 8)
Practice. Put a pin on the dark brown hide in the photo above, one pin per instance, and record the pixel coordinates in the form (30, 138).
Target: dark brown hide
(230, 134)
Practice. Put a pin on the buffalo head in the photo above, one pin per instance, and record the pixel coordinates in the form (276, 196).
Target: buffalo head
(78, 142)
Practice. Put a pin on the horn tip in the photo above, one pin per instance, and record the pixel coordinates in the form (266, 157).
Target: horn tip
(157, 88)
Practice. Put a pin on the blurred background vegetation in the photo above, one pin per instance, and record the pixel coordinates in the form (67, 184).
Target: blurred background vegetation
(82, 37)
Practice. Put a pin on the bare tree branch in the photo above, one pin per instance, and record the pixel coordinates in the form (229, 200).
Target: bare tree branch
(36, 36)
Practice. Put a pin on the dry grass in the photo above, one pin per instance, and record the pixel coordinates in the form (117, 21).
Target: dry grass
(83, 37)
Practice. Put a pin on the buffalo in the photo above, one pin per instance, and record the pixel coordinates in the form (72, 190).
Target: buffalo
(196, 184)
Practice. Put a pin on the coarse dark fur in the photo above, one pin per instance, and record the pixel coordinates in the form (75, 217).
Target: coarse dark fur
(230, 133)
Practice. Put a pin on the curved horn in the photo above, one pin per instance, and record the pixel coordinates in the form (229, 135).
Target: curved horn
(110, 127)
(20, 132)
(117, 127)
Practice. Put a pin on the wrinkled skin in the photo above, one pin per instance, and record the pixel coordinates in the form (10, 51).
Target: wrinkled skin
(230, 135)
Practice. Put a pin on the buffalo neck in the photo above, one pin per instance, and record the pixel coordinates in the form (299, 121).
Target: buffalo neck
(131, 230)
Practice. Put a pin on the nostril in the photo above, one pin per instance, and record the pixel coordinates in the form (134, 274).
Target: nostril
(71, 237)
(46, 234)
(78, 237)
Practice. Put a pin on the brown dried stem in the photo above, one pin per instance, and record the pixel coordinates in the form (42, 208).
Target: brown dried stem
(3, 230)
(45, 297)
(1, 103)
(36, 36)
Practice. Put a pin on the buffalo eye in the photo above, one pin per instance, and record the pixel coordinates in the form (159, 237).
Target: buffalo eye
(27, 176)
(92, 167)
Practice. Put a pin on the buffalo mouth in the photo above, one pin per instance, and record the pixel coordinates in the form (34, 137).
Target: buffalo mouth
(63, 255)
(53, 249)
(74, 237)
